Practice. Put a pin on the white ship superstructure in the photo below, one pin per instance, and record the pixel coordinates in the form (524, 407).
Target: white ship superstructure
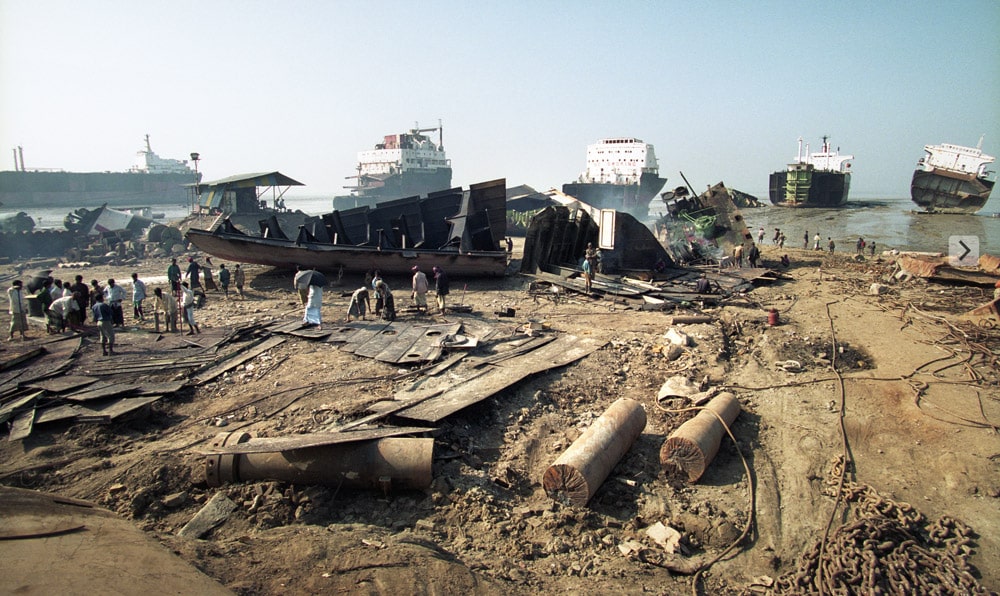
(826, 160)
(406, 153)
(956, 158)
(148, 162)
(620, 160)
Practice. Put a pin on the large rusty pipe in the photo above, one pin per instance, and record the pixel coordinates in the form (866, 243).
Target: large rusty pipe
(390, 463)
(695, 443)
(577, 474)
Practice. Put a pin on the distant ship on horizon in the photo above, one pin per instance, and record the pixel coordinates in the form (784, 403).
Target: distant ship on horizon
(622, 174)
(402, 165)
(952, 179)
(152, 180)
(820, 179)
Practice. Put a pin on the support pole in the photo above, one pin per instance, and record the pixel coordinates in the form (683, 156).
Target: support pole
(695, 443)
(384, 464)
(580, 471)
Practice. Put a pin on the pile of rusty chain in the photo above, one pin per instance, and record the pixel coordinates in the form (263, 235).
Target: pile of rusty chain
(890, 548)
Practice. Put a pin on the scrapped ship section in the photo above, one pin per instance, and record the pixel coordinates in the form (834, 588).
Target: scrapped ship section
(952, 179)
(622, 174)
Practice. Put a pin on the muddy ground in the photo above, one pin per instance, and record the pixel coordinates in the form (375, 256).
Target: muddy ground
(918, 405)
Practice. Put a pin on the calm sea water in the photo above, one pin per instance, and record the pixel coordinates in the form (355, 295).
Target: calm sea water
(891, 223)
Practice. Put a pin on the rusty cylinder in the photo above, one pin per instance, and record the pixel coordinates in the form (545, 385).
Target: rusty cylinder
(581, 469)
(384, 464)
(695, 443)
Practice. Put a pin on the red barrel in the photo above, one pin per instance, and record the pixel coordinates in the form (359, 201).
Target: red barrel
(772, 317)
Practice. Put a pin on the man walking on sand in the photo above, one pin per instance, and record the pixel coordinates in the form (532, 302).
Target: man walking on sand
(239, 280)
(105, 324)
(18, 309)
(420, 287)
(440, 287)
(187, 303)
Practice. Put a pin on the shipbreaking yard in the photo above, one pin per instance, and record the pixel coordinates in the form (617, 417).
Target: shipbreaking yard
(544, 440)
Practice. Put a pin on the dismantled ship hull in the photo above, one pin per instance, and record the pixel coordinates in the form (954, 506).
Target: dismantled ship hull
(949, 193)
(633, 199)
(460, 231)
(557, 237)
(952, 179)
(709, 225)
(622, 174)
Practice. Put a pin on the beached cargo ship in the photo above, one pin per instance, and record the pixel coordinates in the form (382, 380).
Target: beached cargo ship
(952, 179)
(622, 174)
(152, 180)
(820, 179)
(402, 165)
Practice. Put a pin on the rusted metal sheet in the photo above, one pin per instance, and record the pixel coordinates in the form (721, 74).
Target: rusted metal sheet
(989, 264)
(279, 444)
(919, 267)
(389, 463)
(478, 385)
(580, 471)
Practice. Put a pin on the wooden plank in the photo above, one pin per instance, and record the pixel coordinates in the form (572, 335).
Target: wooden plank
(22, 425)
(103, 390)
(564, 350)
(10, 409)
(63, 412)
(21, 358)
(279, 444)
(212, 372)
(62, 384)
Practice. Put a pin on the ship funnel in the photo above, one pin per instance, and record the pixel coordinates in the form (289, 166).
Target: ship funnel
(978, 146)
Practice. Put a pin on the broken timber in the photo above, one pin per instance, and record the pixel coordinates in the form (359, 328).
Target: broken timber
(467, 385)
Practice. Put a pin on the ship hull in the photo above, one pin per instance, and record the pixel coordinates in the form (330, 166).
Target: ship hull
(633, 199)
(827, 189)
(331, 258)
(458, 230)
(398, 186)
(941, 191)
(21, 190)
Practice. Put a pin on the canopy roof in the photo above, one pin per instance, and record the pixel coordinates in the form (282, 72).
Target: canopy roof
(250, 180)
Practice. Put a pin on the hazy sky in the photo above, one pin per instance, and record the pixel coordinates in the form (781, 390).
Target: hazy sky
(722, 89)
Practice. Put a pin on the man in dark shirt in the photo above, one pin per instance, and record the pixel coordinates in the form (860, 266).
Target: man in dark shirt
(441, 287)
(105, 324)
